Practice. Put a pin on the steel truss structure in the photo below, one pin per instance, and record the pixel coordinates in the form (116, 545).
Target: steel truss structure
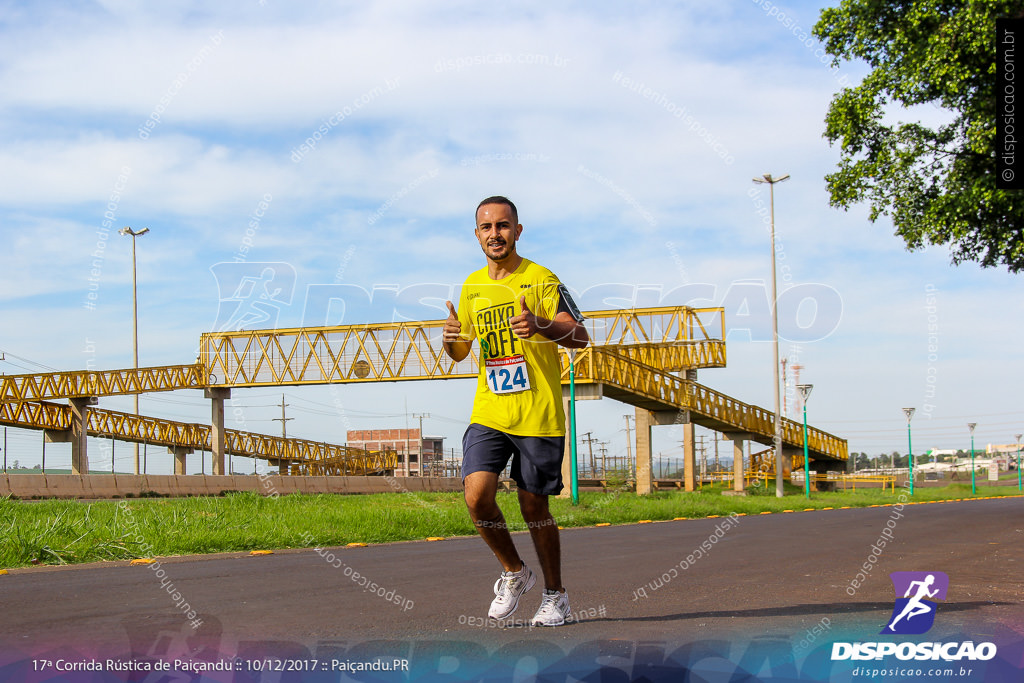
(301, 456)
(632, 355)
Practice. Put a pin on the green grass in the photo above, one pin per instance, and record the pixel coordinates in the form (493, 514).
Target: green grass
(68, 532)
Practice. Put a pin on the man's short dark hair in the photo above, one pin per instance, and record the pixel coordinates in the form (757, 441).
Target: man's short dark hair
(498, 199)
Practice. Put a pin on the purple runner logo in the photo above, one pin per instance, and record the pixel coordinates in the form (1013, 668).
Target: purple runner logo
(913, 613)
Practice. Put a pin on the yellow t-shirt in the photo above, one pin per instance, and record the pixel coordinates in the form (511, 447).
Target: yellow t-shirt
(519, 387)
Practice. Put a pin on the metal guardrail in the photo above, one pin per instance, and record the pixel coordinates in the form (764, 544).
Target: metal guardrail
(853, 479)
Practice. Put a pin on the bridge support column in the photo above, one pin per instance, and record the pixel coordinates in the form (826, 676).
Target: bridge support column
(787, 461)
(218, 440)
(179, 453)
(738, 483)
(645, 420)
(644, 478)
(689, 441)
(739, 439)
(79, 432)
(689, 457)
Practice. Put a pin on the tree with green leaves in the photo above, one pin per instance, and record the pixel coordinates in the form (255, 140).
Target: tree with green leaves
(858, 461)
(937, 183)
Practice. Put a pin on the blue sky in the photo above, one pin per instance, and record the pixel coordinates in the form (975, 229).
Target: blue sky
(628, 139)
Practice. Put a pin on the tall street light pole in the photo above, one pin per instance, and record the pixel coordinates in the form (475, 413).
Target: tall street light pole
(135, 320)
(974, 486)
(909, 412)
(805, 391)
(767, 178)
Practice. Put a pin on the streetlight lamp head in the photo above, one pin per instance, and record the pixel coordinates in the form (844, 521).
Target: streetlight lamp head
(1018, 436)
(909, 412)
(124, 231)
(971, 426)
(143, 231)
(767, 178)
(805, 390)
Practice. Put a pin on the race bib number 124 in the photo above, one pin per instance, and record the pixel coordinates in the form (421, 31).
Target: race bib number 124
(507, 375)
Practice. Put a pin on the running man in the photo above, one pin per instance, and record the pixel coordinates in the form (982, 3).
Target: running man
(914, 606)
(519, 311)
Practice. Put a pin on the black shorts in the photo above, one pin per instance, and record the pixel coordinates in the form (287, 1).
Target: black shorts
(536, 460)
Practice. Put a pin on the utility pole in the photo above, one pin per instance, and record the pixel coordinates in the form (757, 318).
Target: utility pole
(604, 451)
(785, 388)
(284, 431)
(682, 470)
(590, 445)
(420, 448)
(796, 380)
(405, 458)
(283, 420)
(703, 458)
(716, 453)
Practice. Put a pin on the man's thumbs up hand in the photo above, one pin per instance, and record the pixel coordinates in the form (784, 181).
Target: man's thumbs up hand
(524, 325)
(452, 326)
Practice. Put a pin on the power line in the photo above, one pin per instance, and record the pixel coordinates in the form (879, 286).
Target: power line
(930, 419)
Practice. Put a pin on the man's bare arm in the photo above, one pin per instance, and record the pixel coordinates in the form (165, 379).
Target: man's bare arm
(563, 329)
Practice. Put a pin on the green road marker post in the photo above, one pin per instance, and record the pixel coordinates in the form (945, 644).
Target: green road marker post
(974, 486)
(574, 475)
(805, 391)
(909, 412)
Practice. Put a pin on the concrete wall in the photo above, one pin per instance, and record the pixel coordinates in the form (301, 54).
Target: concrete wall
(27, 486)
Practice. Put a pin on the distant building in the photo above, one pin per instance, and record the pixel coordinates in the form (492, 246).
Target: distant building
(423, 456)
(1003, 456)
(941, 452)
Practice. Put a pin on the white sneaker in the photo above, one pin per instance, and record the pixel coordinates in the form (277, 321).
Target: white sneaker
(554, 609)
(509, 587)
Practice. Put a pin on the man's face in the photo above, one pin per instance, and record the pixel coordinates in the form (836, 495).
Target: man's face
(497, 231)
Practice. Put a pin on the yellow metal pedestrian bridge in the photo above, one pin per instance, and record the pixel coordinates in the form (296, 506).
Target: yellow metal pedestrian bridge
(632, 358)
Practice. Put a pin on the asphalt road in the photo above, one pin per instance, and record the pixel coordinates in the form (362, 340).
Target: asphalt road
(781, 580)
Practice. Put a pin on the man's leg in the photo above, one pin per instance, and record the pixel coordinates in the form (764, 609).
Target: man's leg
(544, 532)
(481, 489)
